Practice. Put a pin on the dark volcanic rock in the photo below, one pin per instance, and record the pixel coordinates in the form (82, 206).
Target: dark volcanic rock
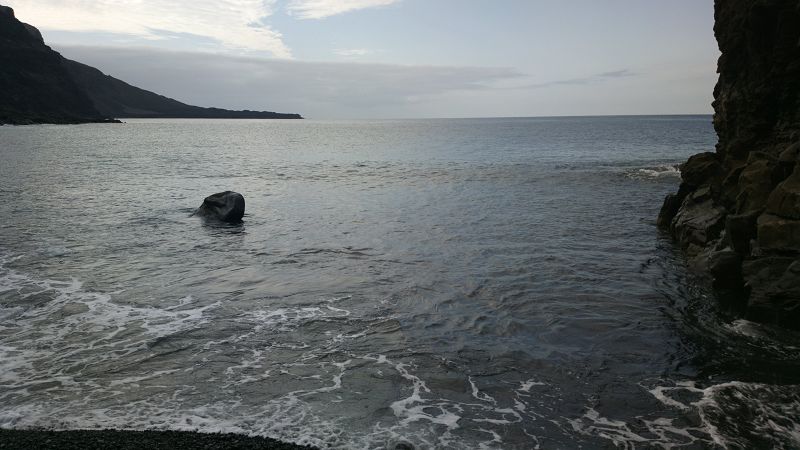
(225, 206)
(784, 200)
(773, 285)
(726, 269)
(38, 85)
(698, 221)
(739, 230)
(35, 86)
(701, 169)
(745, 197)
(778, 234)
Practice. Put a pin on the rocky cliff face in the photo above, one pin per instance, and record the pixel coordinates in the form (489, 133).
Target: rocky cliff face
(38, 85)
(737, 211)
(34, 84)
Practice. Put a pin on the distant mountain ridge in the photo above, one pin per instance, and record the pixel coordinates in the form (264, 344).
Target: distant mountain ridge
(38, 85)
(115, 98)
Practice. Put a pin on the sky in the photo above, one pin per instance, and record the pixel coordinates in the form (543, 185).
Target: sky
(342, 59)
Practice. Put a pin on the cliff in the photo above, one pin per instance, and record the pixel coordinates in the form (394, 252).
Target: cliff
(737, 211)
(38, 85)
(35, 85)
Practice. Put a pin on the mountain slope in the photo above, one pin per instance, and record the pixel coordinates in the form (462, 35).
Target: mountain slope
(38, 85)
(35, 86)
(116, 98)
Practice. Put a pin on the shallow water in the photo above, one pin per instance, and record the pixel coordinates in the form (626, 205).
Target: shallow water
(494, 283)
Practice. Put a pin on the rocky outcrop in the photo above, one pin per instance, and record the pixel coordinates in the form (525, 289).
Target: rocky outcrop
(737, 211)
(225, 206)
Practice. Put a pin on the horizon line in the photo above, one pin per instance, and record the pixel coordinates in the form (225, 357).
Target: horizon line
(566, 116)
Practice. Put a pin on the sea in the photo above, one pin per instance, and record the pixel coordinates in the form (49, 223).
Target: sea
(429, 284)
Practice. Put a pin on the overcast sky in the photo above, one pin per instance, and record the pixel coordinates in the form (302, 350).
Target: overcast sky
(398, 58)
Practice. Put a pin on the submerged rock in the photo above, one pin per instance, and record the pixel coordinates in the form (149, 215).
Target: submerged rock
(738, 209)
(225, 206)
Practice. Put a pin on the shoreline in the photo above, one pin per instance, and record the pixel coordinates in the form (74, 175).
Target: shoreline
(59, 121)
(129, 439)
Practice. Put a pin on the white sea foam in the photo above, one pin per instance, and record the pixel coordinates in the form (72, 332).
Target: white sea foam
(654, 172)
(71, 330)
(478, 394)
(496, 439)
(657, 433)
(135, 380)
(776, 409)
(59, 346)
(289, 318)
(525, 386)
(413, 408)
(56, 346)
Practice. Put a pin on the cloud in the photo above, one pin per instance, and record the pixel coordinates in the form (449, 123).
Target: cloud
(314, 89)
(592, 79)
(352, 51)
(320, 9)
(234, 24)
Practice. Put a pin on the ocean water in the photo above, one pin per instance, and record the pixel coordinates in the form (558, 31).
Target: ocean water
(484, 283)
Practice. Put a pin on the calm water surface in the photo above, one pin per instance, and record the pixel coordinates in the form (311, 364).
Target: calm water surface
(495, 283)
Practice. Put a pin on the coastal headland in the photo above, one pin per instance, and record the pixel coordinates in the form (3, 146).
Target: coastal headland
(41, 86)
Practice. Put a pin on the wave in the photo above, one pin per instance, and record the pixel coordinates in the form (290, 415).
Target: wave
(309, 373)
(654, 172)
(726, 415)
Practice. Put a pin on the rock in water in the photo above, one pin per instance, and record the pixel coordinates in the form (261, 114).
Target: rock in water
(225, 206)
(738, 209)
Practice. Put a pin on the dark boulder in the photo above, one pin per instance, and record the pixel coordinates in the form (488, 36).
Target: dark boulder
(778, 234)
(672, 203)
(225, 206)
(698, 221)
(755, 183)
(784, 201)
(700, 169)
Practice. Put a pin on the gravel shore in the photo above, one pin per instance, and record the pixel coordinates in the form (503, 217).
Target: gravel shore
(123, 440)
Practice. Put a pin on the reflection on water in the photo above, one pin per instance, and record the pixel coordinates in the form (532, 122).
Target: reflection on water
(462, 283)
